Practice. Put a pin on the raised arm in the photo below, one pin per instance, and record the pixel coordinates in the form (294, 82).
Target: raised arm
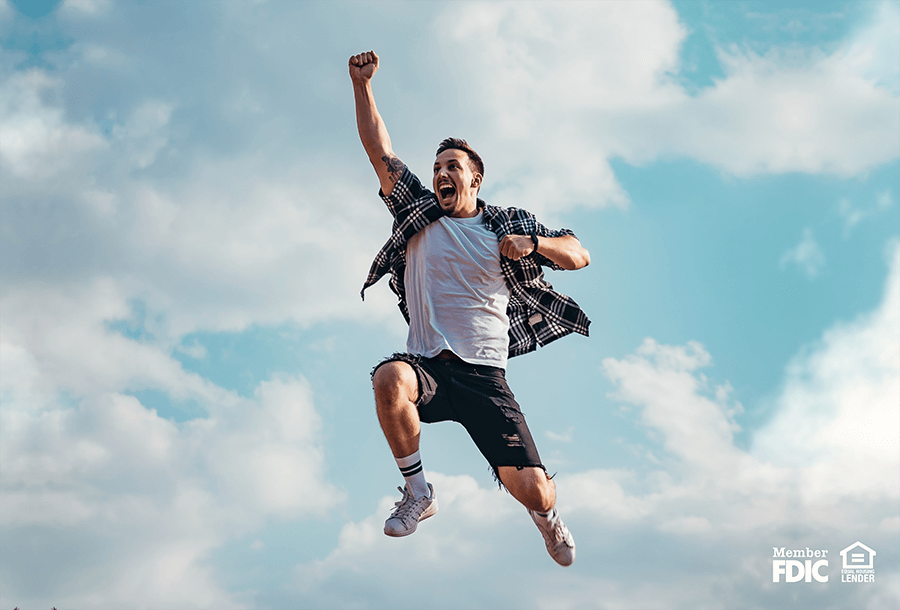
(372, 131)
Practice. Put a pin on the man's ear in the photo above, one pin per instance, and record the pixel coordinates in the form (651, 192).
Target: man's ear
(476, 181)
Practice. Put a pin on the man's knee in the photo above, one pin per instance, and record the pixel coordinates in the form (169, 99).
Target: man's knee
(543, 491)
(393, 381)
(531, 486)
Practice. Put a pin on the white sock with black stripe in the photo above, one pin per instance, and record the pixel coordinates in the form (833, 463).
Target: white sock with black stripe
(547, 517)
(411, 469)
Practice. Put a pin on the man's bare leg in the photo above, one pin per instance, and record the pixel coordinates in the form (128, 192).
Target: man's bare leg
(396, 392)
(537, 492)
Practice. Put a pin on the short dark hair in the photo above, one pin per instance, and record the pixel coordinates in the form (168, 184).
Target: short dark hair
(475, 162)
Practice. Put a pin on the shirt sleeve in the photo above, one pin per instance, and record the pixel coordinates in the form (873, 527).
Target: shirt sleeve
(407, 190)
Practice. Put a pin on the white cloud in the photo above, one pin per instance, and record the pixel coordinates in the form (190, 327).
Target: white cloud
(90, 472)
(661, 379)
(144, 134)
(60, 337)
(85, 7)
(559, 89)
(851, 215)
(837, 414)
(874, 48)
(564, 437)
(547, 76)
(38, 143)
(854, 214)
(148, 500)
(788, 111)
(234, 242)
(806, 255)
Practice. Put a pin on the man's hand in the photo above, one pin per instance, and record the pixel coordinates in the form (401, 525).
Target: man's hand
(516, 246)
(363, 66)
(566, 251)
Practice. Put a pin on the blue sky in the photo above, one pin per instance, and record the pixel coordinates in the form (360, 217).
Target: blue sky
(188, 217)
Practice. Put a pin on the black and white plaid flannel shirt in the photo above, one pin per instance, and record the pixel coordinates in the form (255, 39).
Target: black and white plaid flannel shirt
(537, 313)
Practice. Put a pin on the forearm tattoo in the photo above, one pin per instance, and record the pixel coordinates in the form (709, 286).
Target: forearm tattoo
(394, 166)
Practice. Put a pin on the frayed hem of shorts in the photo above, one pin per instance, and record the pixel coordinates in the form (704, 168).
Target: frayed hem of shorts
(412, 359)
(496, 474)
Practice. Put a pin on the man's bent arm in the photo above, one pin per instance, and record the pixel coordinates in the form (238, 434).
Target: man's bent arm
(372, 131)
(566, 251)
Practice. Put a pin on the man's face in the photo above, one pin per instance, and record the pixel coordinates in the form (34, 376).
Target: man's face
(455, 185)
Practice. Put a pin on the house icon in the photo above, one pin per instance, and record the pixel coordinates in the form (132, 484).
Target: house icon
(858, 555)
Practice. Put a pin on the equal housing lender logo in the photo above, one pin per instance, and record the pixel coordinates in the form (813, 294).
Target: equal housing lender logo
(859, 563)
(811, 565)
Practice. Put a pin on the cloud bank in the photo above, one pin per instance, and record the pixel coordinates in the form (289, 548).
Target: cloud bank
(560, 89)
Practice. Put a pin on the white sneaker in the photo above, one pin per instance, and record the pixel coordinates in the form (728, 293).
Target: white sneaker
(560, 543)
(409, 511)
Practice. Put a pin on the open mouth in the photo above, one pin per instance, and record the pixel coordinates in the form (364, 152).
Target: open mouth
(446, 191)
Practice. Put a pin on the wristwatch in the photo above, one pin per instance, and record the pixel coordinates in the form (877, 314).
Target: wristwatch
(534, 239)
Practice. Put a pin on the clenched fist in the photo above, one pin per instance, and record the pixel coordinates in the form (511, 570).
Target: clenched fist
(363, 66)
(516, 246)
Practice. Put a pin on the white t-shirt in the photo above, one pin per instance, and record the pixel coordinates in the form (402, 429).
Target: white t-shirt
(456, 292)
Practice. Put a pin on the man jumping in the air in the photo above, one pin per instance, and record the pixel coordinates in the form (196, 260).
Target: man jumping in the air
(471, 287)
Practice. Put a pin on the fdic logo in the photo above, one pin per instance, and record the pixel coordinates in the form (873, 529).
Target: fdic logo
(795, 570)
(807, 564)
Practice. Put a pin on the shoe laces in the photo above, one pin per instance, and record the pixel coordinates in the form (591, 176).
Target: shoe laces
(406, 504)
(556, 530)
(559, 531)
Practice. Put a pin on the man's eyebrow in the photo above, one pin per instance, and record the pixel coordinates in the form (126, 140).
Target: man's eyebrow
(437, 164)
